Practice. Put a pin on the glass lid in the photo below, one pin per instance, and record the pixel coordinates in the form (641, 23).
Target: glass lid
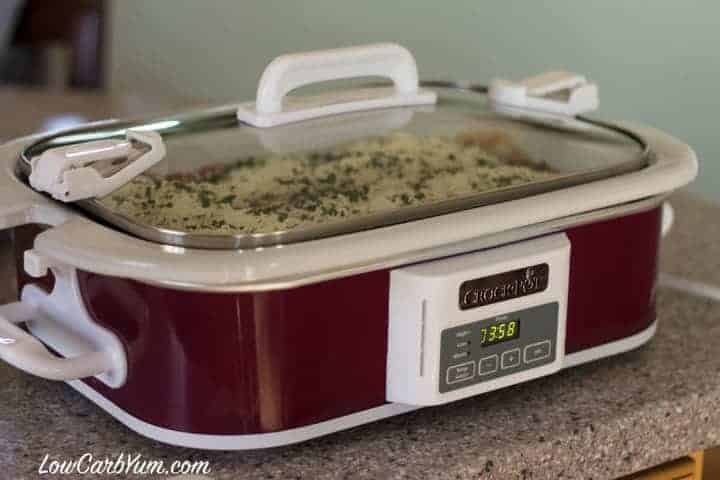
(224, 184)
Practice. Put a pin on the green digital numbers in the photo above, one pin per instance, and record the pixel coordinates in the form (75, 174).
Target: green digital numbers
(499, 332)
(512, 328)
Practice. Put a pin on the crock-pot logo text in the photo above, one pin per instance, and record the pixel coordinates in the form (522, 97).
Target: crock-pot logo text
(503, 286)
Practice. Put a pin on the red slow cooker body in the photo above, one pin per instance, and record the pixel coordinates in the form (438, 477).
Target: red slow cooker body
(241, 363)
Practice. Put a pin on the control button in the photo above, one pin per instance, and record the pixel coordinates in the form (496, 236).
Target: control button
(460, 373)
(488, 365)
(537, 351)
(510, 359)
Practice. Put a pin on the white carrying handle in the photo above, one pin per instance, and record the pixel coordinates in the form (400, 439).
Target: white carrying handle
(67, 173)
(60, 320)
(25, 352)
(288, 72)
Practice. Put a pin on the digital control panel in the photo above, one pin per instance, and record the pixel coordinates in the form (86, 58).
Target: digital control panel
(498, 346)
(466, 324)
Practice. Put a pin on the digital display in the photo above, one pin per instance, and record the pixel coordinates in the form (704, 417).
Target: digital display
(499, 332)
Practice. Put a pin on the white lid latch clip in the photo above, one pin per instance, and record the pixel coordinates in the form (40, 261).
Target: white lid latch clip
(554, 97)
(95, 169)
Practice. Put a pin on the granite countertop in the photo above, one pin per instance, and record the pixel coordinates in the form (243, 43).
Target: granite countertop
(600, 420)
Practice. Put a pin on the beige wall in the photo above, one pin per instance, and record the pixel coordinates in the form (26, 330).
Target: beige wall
(656, 61)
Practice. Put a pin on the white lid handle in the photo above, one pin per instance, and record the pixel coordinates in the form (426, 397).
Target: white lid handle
(289, 72)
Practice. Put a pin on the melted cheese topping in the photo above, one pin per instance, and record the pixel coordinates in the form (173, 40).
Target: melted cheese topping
(282, 192)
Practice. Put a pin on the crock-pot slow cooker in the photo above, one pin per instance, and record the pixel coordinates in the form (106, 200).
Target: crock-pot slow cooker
(264, 273)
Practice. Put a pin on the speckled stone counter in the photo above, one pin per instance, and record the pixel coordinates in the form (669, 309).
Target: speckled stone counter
(600, 420)
(692, 249)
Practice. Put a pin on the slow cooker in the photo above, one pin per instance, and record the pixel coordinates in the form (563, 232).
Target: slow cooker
(259, 274)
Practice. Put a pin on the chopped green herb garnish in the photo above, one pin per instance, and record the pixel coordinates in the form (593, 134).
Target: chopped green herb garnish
(281, 192)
